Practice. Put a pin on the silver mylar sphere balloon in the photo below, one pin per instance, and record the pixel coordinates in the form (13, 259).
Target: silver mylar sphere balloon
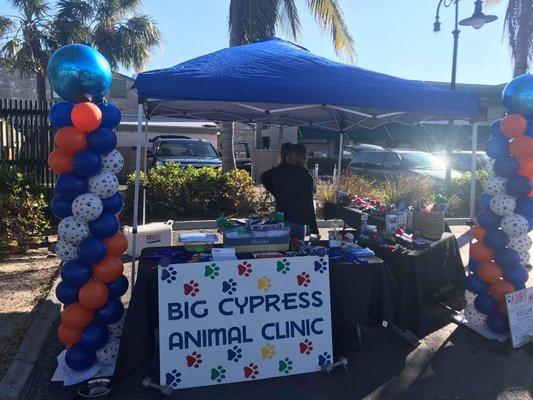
(517, 96)
(78, 72)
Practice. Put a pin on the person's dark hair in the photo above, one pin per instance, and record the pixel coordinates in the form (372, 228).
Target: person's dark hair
(299, 154)
(285, 152)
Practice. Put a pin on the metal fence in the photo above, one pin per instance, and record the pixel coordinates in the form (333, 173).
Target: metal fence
(26, 139)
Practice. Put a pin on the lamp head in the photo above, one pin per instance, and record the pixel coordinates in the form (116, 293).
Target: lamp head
(478, 18)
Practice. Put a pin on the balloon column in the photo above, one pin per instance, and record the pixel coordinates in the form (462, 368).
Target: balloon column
(87, 202)
(501, 252)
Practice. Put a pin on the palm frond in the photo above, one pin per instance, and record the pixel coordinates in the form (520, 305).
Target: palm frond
(519, 27)
(256, 19)
(288, 17)
(6, 25)
(74, 10)
(329, 16)
(31, 8)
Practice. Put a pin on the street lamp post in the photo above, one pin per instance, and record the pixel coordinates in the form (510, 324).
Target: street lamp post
(476, 21)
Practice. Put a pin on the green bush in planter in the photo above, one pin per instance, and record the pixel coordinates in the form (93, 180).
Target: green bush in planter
(179, 193)
(23, 218)
(459, 194)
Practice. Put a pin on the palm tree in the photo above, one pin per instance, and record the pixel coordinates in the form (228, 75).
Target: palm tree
(114, 27)
(519, 28)
(251, 20)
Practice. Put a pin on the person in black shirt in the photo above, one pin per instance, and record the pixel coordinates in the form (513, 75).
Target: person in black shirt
(292, 187)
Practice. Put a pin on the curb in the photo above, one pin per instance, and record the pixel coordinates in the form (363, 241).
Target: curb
(18, 379)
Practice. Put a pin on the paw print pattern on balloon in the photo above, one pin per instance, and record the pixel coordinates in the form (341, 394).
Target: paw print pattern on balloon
(113, 162)
(87, 207)
(72, 230)
(521, 243)
(66, 251)
(103, 185)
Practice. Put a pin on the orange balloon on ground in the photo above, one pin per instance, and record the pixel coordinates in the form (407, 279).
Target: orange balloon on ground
(108, 270)
(499, 289)
(526, 167)
(480, 252)
(521, 147)
(116, 245)
(93, 295)
(479, 233)
(86, 116)
(60, 162)
(489, 272)
(76, 317)
(68, 337)
(513, 125)
(70, 140)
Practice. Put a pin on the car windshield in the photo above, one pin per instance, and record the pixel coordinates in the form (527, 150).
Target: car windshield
(174, 148)
(422, 161)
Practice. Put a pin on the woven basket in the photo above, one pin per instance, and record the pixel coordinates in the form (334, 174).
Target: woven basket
(430, 224)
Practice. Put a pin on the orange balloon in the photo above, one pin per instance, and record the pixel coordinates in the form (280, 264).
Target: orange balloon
(521, 147)
(68, 337)
(489, 272)
(502, 306)
(479, 233)
(108, 270)
(116, 245)
(60, 162)
(499, 289)
(480, 252)
(93, 294)
(70, 140)
(526, 167)
(76, 317)
(86, 116)
(513, 125)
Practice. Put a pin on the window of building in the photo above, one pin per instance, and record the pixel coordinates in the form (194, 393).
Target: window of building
(119, 88)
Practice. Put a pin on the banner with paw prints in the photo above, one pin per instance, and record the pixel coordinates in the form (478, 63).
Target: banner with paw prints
(234, 321)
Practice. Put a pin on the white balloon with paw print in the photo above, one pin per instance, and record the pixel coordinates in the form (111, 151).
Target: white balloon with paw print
(521, 243)
(87, 207)
(514, 225)
(473, 316)
(489, 165)
(502, 204)
(115, 330)
(72, 230)
(103, 185)
(113, 162)
(524, 258)
(107, 355)
(66, 251)
(494, 184)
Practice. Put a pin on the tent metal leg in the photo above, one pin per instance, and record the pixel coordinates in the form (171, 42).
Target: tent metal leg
(473, 168)
(136, 190)
(145, 167)
(339, 168)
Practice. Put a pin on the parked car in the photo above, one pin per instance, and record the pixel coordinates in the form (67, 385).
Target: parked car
(351, 150)
(197, 153)
(461, 160)
(390, 163)
(242, 156)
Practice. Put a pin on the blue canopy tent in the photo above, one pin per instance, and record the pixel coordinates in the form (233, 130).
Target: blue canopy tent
(279, 83)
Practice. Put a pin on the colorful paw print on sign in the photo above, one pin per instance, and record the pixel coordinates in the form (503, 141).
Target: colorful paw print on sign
(285, 365)
(306, 347)
(268, 351)
(211, 271)
(173, 378)
(218, 374)
(234, 354)
(264, 283)
(283, 266)
(303, 279)
(321, 265)
(251, 371)
(194, 360)
(324, 358)
(168, 274)
(191, 288)
(244, 269)
(229, 286)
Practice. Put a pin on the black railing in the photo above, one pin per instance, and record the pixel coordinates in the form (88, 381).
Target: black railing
(26, 139)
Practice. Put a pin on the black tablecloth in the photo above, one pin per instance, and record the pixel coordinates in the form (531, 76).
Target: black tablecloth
(358, 292)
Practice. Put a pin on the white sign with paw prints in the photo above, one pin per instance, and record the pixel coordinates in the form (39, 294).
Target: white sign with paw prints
(234, 321)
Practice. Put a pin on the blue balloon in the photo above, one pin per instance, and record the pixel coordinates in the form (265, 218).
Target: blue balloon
(118, 288)
(529, 128)
(71, 185)
(66, 294)
(524, 206)
(486, 304)
(102, 140)
(91, 250)
(497, 146)
(520, 286)
(114, 203)
(79, 359)
(476, 285)
(473, 265)
(498, 323)
(518, 186)
(530, 223)
(87, 163)
(75, 273)
(110, 312)
(110, 115)
(59, 114)
(495, 239)
(507, 259)
(61, 206)
(77, 71)
(495, 130)
(517, 96)
(94, 336)
(488, 219)
(485, 200)
(516, 276)
(104, 226)
(506, 165)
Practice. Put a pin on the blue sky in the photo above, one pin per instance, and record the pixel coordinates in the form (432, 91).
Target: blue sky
(393, 37)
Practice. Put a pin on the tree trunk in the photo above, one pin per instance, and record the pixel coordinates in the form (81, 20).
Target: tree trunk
(41, 86)
(523, 39)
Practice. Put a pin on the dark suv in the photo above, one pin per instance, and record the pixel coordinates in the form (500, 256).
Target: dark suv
(390, 163)
(197, 153)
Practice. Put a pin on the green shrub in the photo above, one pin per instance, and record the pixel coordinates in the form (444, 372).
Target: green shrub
(23, 218)
(407, 188)
(459, 194)
(196, 193)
